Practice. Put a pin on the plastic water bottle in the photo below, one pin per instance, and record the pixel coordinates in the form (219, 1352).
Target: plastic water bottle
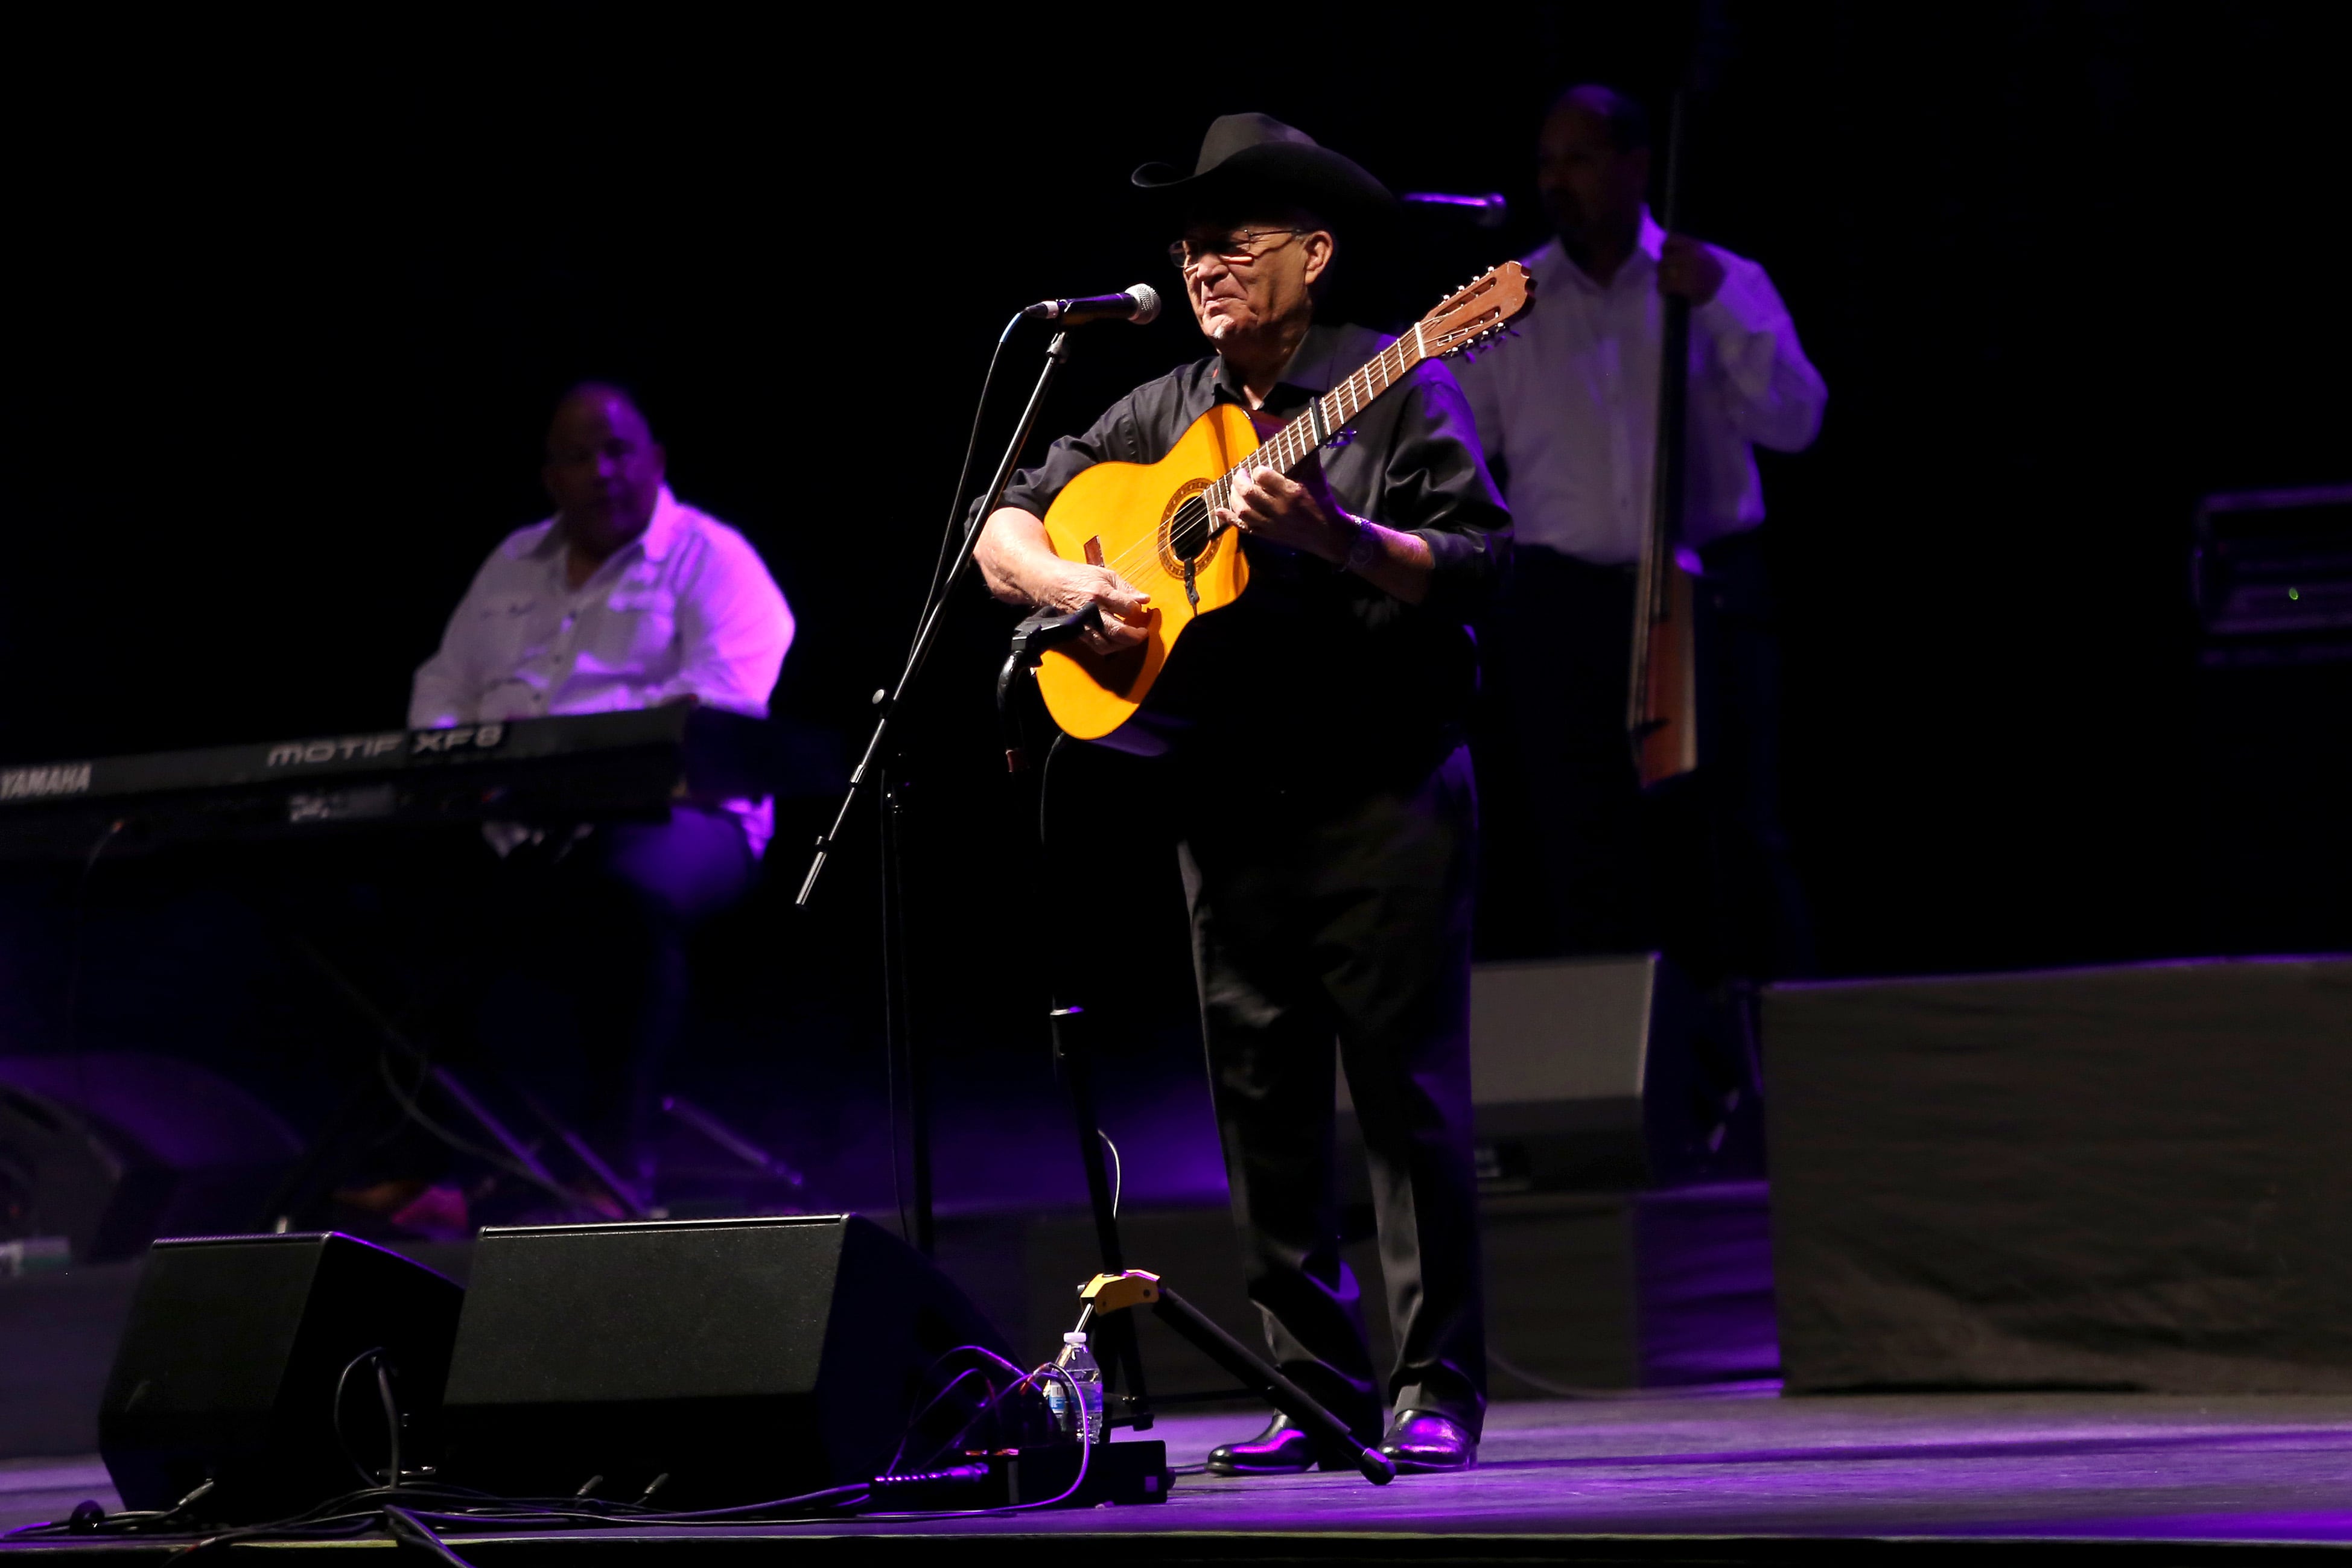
(1083, 1422)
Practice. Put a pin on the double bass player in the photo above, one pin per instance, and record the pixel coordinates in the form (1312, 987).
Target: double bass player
(1568, 420)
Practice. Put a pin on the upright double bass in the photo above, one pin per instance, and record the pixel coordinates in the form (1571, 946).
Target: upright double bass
(1662, 694)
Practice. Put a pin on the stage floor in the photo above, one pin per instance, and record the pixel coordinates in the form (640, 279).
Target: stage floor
(1668, 1479)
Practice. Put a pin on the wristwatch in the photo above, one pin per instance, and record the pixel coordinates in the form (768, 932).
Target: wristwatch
(1363, 550)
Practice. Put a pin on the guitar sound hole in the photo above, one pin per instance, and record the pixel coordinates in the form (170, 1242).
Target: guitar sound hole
(1188, 531)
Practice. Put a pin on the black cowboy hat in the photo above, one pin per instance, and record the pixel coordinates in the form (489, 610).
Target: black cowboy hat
(1252, 157)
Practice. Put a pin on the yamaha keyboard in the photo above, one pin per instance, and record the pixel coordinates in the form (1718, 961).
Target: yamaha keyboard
(570, 768)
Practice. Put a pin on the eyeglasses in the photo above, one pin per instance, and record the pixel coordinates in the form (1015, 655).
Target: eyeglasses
(1233, 249)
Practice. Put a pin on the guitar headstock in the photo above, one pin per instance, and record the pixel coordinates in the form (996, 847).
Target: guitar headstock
(1478, 313)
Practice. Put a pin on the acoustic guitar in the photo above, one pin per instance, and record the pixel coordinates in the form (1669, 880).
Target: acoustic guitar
(1155, 523)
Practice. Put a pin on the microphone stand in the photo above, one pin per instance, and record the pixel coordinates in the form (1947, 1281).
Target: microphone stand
(1110, 1294)
(898, 1036)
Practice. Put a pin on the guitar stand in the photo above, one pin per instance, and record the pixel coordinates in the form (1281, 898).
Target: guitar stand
(1110, 1294)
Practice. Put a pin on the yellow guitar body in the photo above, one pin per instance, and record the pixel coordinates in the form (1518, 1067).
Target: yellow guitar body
(1125, 516)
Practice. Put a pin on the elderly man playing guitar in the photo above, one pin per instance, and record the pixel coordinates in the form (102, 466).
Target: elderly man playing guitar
(1329, 834)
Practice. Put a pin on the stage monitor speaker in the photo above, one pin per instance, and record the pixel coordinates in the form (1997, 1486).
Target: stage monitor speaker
(1604, 1074)
(110, 1149)
(230, 1366)
(743, 1359)
(2121, 1178)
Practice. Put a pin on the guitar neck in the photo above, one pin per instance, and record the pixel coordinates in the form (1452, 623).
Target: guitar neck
(1326, 417)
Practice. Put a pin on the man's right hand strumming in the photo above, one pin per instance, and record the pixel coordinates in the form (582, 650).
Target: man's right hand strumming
(1019, 564)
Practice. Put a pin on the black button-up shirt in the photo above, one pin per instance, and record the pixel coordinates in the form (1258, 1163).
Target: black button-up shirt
(1313, 668)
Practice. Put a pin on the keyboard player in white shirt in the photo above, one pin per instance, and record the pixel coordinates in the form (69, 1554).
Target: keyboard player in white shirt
(625, 598)
(1568, 418)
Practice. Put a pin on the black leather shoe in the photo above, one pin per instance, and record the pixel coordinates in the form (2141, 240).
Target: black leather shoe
(1422, 1441)
(1283, 1448)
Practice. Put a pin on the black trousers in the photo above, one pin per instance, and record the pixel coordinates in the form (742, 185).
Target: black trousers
(1570, 870)
(1580, 861)
(594, 995)
(1340, 922)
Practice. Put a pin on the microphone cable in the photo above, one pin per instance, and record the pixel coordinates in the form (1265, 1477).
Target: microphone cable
(953, 535)
(951, 541)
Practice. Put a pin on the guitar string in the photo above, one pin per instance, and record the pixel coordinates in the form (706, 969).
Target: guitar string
(1280, 453)
(1409, 355)
(1148, 549)
(1218, 492)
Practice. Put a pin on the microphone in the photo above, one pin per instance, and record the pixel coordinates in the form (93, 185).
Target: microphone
(1139, 304)
(1488, 212)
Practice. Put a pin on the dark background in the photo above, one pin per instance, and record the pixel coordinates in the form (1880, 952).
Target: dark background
(289, 309)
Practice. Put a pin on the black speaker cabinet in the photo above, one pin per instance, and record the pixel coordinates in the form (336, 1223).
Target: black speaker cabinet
(744, 1359)
(111, 1149)
(229, 1368)
(2132, 1177)
(1599, 1074)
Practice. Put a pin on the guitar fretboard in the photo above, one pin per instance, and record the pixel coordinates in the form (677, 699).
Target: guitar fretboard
(1324, 418)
